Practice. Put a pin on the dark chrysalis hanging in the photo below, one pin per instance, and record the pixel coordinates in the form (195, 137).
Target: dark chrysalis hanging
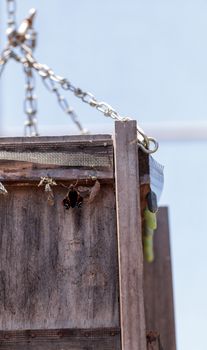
(73, 198)
(152, 201)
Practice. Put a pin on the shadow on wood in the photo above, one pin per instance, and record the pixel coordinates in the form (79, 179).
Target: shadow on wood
(158, 290)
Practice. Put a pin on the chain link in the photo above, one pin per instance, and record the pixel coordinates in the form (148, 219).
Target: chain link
(6, 54)
(63, 103)
(30, 104)
(147, 143)
(51, 81)
(27, 34)
(11, 12)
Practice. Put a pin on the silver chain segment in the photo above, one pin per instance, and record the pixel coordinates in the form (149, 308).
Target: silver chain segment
(11, 12)
(30, 104)
(25, 40)
(63, 103)
(27, 33)
(5, 56)
(47, 73)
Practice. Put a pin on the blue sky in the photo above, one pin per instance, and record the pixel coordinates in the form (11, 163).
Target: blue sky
(148, 60)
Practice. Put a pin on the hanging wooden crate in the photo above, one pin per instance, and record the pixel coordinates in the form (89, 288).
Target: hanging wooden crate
(65, 283)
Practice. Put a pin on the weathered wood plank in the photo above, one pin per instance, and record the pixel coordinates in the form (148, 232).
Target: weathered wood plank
(66, 138)
(129, 237)
(158, 290)
(61, 339)
(65, 158)
(23, 172)
(58, 268)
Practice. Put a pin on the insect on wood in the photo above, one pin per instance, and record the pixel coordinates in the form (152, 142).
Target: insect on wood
(75, 195)
(73, 198)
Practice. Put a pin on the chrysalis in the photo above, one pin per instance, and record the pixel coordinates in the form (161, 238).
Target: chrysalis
(94, 191)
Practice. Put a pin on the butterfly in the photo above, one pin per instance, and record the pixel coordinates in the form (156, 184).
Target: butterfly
(73, 198)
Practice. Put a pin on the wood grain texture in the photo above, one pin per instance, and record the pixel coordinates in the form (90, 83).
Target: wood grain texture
(66, 138)
(158, 290)
(61, 339)
(58, 268)
(94, 150)
(24, 172)
(129, 237)
(65, 157)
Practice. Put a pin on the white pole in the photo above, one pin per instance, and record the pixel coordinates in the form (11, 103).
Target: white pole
(177, 130)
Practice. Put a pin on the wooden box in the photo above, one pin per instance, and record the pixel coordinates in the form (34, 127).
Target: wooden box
(72, 279)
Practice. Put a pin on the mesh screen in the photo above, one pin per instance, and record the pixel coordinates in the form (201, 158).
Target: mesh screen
(60, 158)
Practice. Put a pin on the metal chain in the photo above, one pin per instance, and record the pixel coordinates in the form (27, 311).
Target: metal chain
(5, 56)
(11, 11)
(26, 35)
(50, 79)
(44, 71)
(30, 104)
(63, 103)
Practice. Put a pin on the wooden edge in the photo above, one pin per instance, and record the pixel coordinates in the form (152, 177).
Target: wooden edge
(129, 237)
(158, 285)
(70, 174)
(54, 334)
(93, 152)
(61, 339)
(65, 138)
(14, 169)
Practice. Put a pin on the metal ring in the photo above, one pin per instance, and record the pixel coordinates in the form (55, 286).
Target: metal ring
(155, 142)
(87, 97)
(147, 149)
(145, 142)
